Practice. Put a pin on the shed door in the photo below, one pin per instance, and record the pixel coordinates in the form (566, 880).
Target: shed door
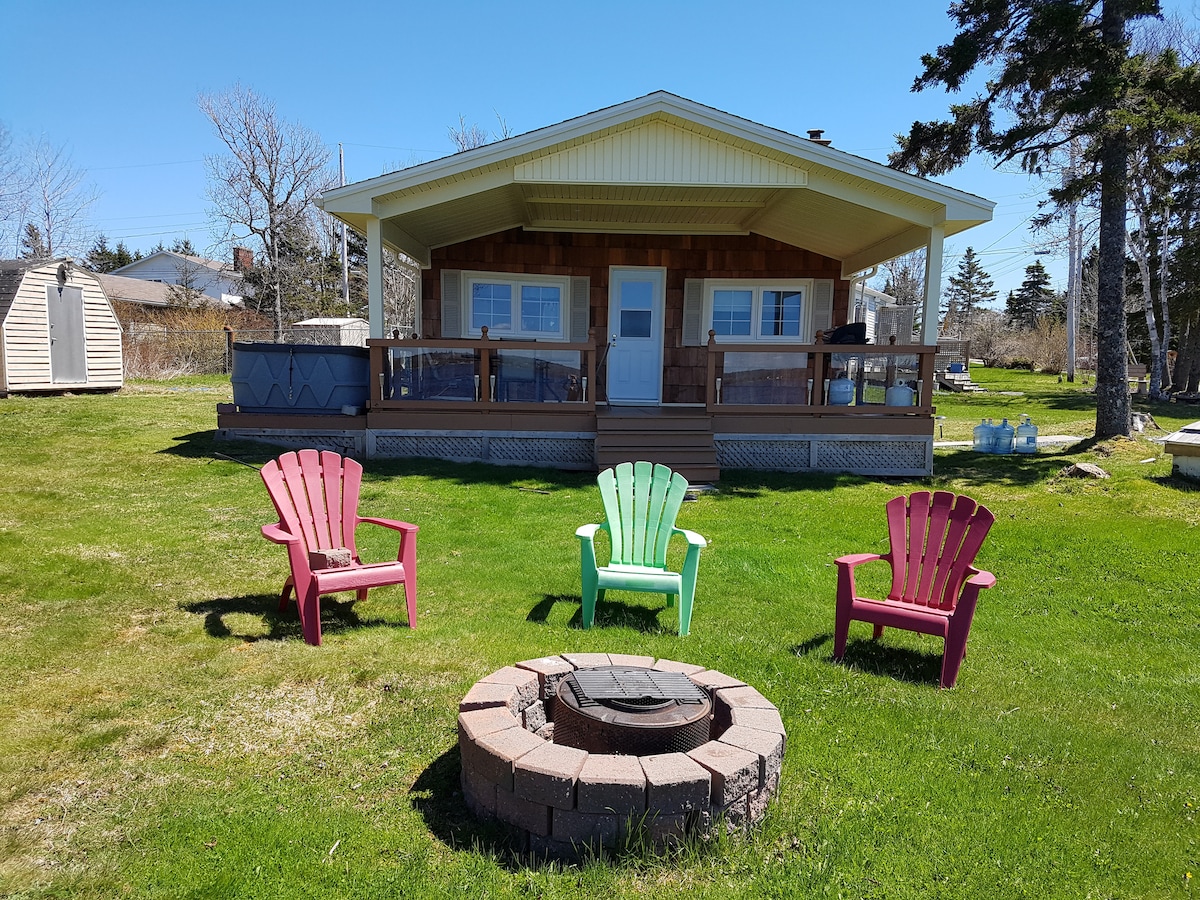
(68, 358)
(635, 322)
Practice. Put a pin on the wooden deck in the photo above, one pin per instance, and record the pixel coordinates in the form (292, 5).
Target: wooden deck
(792, 427)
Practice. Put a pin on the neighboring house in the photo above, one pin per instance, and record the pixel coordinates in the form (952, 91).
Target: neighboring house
(136, 298)
(650, 280)
(883, 316)
(58, 331)
(206, 276)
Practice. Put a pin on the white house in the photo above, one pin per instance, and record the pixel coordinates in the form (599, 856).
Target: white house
(208, 276)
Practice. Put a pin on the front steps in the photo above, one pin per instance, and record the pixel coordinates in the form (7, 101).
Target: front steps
(960, 382)
(680, 438)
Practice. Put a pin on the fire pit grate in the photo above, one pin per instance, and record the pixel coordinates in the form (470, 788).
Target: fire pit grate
(633, 686)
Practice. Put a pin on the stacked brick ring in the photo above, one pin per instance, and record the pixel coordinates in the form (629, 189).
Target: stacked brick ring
(560, 799)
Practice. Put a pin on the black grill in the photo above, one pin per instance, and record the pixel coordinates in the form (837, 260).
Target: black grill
(633, 687)
(631, 710)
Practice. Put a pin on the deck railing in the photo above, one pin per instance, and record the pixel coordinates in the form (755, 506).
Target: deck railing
(774, 379)
(804, 379)
(445, 374)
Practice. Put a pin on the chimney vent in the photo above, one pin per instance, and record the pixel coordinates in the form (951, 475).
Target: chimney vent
(814, 135)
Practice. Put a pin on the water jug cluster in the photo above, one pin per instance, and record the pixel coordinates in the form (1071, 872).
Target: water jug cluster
(988, 437)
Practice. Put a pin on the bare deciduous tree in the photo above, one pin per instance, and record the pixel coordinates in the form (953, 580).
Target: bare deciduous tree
(267, 183)
(11, 192)
(53, 196)
(468, 137)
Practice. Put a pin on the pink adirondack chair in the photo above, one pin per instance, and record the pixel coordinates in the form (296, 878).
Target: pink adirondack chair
(934, 539)
(316, 496)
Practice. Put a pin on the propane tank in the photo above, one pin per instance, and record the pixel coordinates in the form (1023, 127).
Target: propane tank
(1026, 436)
(841, 391)
(982, 437)
(899, 394)
(1004, 437)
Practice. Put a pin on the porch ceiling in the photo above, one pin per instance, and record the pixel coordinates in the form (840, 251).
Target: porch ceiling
(665, 165)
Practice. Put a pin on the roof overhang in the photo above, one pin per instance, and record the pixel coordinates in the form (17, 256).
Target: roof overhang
(661, 164)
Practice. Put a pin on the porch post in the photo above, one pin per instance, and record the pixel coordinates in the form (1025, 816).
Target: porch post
(375, 276)
(933, 284)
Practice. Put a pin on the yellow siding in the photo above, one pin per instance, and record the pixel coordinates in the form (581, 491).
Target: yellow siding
(660, 153)
(26, 336)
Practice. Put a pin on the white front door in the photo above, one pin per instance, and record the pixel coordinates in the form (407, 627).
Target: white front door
(635, 347)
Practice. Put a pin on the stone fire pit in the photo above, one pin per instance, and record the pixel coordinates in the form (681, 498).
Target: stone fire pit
(560, 799)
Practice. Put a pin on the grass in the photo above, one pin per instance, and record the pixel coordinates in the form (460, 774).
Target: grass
(164, 732)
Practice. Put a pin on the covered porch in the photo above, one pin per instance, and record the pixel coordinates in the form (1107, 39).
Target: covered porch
(654, 280)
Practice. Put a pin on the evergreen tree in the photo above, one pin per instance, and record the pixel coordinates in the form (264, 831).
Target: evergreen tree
(102, 258)
(1062, 67)
(33, 246)
(965, 291)
(1031, 300)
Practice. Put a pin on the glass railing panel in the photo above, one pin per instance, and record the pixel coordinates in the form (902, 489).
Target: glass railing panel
(430, 373)
(765, 378)
(539, 376)
(865, 379)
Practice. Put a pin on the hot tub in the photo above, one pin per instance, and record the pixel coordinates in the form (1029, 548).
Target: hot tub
(299, 378)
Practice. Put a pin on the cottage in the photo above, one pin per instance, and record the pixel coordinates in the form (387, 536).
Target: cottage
(57, 329)
(653, 280)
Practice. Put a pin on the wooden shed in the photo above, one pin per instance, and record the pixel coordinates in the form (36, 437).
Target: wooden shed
(58, 331)
(1184, 447)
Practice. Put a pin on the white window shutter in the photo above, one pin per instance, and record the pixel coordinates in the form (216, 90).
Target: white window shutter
(822, 318)
(452, 321)
(581, 315)
(693, 312)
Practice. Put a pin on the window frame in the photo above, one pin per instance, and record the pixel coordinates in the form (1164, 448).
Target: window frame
(517, 280)
(757, 287)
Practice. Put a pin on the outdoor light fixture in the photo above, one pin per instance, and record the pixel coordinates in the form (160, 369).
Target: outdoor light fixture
(64, 272)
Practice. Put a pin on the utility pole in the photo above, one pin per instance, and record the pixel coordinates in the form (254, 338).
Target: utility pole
(1074, 265)
(345, 256)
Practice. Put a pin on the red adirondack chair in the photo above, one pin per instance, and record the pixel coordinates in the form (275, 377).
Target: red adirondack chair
(934, 539)
(316, 496)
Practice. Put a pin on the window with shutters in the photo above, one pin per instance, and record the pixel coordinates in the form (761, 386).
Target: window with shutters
(529, 307)
(742, 311)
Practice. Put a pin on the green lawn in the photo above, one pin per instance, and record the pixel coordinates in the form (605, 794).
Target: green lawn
(164, 732)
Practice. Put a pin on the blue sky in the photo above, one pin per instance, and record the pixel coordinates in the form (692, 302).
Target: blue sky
(117, 84)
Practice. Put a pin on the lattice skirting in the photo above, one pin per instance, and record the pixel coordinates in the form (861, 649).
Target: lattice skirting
(554, 450)
(347, 443)
(859, 454)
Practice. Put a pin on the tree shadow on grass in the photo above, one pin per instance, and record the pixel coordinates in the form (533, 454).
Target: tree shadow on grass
(336, 616)
(204, 445)
(609, 613)
(437, 796)
(877, 658)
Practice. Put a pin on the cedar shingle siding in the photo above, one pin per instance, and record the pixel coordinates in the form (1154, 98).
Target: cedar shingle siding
(591, 255)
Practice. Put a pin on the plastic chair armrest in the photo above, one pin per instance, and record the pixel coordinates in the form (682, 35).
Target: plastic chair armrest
(406, 527)
(857, 559)
(980, 578)
(691, 537)
(278, 534)
(587, 532)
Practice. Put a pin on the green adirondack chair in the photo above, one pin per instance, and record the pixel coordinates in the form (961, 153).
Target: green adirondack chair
(641, 501)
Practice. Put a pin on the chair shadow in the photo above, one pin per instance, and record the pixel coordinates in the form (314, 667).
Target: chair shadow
(336, 616)
(609, 612)
(437, 796)
(878, 658)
